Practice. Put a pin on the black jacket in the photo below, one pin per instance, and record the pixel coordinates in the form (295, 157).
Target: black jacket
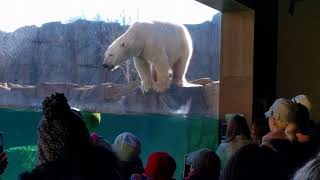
(129, 168)
(96, 163)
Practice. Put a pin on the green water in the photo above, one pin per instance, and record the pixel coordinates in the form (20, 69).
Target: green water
(177, 135)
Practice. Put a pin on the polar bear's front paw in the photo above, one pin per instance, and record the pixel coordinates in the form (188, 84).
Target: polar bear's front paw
(160, 87)
(145, 87)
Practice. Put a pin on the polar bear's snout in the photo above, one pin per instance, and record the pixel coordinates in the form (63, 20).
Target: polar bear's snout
(108, 66)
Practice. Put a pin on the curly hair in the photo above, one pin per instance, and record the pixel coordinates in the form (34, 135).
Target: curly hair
(55, 106)
(61, 131)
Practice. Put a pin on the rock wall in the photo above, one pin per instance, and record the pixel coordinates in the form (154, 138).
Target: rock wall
(35, 62)
(55, 52)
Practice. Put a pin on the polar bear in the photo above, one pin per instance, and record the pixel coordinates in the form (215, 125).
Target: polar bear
(161, 52)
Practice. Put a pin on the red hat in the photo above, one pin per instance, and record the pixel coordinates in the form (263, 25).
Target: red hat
(160, 166)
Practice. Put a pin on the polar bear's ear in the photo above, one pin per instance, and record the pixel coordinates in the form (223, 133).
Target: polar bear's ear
(122, 44)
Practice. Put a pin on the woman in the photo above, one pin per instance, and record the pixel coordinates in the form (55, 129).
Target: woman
(205, 166)
(64, 147)
(127, 147)
(259, 128)
(237, 135)
(252, 162)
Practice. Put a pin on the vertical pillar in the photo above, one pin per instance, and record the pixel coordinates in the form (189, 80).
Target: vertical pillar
(236, 63)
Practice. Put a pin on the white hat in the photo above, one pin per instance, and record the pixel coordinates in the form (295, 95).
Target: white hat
(127, 147)
(304, 100)
(283, 110)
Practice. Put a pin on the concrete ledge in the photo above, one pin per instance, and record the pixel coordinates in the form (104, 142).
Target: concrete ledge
(118, 98)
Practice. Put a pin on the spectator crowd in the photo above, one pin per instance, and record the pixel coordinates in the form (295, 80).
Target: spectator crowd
(282, 144)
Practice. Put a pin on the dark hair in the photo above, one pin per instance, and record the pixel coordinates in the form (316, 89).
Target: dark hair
(237, 125)
(61, 131)
(55, 106)
(303, 119)
(262, 127)
(252, 162)
(310, 171)
(260, 107)
(206, 164)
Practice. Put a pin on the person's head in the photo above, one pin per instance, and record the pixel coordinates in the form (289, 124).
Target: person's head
(304, 100)
(237, 125)
(301, 125)
(260, 107)
(252, 162)
(127, 147)
(280, 114)
(303, 119)
(310, 171)
(160, 166)
(259, 128)
(61, 131)
(207, 163)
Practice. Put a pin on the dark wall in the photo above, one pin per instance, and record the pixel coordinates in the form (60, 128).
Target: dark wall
(265, 52)
(298, 52)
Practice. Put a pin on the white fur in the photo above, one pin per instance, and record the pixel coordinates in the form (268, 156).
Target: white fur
(161, 51)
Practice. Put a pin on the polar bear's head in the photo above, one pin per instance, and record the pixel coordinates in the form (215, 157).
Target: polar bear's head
(116, 53)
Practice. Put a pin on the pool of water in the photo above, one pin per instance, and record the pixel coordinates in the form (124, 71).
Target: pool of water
(177, 135)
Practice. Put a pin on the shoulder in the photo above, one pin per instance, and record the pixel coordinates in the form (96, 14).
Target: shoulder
(242, 140)
(222, 147)
(98, 161)
(40, 172)
(27, 176)
(139, 177)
